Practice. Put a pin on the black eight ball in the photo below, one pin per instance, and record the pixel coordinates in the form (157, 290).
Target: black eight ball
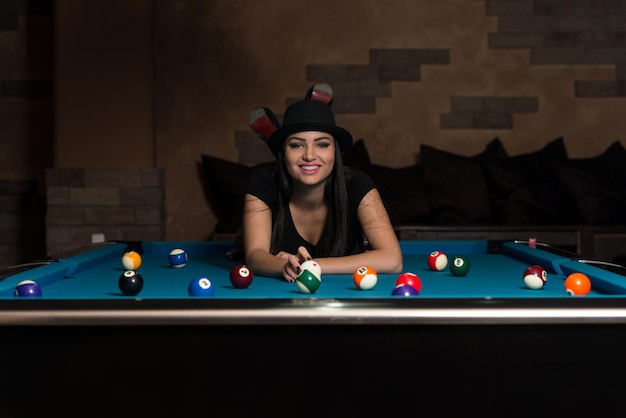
(130, 283)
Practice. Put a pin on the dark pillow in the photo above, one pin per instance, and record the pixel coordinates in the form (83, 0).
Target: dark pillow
(523, 189)
(592, 188)
(225, 185)
(455, 185)
(615, 159)
(357, 156)
(402, 192)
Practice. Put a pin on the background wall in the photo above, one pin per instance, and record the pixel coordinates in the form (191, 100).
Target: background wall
(149, 84)
(103, 96)
(452, 73)
(26, 126)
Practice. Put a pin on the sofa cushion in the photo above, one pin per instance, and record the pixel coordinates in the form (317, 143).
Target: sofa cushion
(455, 185)
(401, 189)
(615, 158)
(357, 156)
(225, 185)
(592, 187)
(402, 192)
(522, 187)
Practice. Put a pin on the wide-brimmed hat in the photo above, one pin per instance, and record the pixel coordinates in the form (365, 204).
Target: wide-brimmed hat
(309, 115)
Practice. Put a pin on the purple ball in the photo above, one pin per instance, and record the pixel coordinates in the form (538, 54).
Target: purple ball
(27, 288)
(404, 290)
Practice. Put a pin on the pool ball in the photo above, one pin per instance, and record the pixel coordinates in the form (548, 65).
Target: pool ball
(535, 277)
(131, 260)
(308, 281)
(437, 261)
(410, 279)
(27, 288)
(365, 278)
(460, 265)
(241, 276)
(577, 284)
(130, 283)
(178, 258)
(404, 290)
(313, 266)
(201, 286)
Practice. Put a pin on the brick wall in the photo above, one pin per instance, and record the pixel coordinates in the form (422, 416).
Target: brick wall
(120, 204)
(553, 32)
(559, 32)
(358, 86)
(477, 112)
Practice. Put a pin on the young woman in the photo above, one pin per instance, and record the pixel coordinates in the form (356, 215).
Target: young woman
(308, 205)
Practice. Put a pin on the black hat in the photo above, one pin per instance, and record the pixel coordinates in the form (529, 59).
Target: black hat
(309, 115)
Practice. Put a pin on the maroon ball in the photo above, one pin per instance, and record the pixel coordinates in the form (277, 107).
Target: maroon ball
(241, 276)
(537, 270)
(535, 277)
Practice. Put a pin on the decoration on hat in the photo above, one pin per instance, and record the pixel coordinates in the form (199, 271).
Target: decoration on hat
(314, 113)
(322, 92)
(263, 122)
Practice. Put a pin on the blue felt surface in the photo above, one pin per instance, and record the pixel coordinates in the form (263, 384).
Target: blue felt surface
(94, 274)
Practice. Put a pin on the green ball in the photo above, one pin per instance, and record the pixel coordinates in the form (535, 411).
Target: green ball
(308, 281)
(460, 265)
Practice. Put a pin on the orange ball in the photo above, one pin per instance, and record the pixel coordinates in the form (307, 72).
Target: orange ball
(131, 260)
(577, 284)
(365, 278)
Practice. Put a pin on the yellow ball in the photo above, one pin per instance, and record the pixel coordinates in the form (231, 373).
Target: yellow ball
(131, 260)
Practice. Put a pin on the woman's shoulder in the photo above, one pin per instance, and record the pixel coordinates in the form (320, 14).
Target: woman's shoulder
(358, 184)
(260, 180)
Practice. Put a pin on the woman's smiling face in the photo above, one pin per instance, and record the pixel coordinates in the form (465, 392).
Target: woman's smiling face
(310, 156)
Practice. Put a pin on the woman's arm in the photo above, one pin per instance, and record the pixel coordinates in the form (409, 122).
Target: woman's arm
(385, 256)
(257, 236)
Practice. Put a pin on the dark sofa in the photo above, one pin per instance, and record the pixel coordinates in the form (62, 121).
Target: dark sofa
(544, 189)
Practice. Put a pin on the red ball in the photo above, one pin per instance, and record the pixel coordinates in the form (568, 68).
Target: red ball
(437, 261)
(577, 284)
(241, 276)
(409, 279)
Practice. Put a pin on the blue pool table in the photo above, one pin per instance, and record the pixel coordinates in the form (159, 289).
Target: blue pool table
(478, 345)
(83, 289)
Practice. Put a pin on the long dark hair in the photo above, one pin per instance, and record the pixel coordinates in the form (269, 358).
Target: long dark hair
(333, 240)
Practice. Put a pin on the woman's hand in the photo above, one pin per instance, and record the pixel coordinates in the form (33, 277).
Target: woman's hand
(291, 270)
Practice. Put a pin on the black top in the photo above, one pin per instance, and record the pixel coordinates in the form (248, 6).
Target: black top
(358, 184)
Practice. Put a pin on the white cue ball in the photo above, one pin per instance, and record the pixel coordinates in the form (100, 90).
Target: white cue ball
(532, 281)
(312, 265)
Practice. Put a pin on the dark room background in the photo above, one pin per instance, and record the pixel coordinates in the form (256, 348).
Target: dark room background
(107, 106)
